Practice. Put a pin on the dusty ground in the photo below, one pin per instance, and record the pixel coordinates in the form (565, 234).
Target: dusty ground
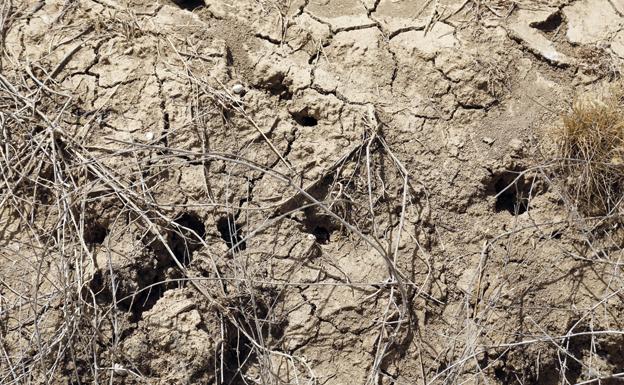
(376, 206)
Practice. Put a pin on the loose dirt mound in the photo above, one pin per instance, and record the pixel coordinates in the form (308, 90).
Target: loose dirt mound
(318, 192)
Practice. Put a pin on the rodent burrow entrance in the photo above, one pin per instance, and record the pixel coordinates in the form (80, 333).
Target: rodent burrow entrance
(231, 232)
(304, 118)
(95, 233)
(184, 240)
(511, 190)
(551, 24)
(322, 226)
(136, 287)
(189, 5)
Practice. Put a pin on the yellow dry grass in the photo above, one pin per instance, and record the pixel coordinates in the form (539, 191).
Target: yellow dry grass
(591, 146)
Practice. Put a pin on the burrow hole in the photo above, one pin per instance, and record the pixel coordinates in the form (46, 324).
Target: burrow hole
(94, 233)
(511, 192)
(238, 355)
(139, 286)
(278, 85)
(231, 232)
(321, 234)
(320, 225)
(190, 5)
(136, 289)
(551, 24)
(304, 118)
(187, 236)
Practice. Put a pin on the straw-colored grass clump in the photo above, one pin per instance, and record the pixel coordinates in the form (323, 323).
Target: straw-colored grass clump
(591, 149)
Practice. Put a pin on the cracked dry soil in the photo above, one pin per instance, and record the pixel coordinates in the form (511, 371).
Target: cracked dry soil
(374, 207)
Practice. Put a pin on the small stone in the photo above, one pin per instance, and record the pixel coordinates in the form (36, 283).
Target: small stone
(119, 370)
(487, 140)
(515, 144)
(238, 89)
(149, 136)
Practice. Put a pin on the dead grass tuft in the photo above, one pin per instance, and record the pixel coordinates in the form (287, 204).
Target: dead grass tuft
(591, 149)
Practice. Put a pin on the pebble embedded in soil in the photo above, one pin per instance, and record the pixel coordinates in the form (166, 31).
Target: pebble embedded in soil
(238, 89)
(515, 144)
(119, 370)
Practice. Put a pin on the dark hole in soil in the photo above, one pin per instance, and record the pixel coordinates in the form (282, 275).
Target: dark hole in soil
(280, 90)
(277, 86)
(556, 234)
(229, 58)
(184, 240)
(135, 297)
(509, 198)
(144, 300)
(239, 355)
(610, 348)
(512, 191)
(77, 111)
(314, 58)
(550, 24)
(166, 121)
(189, 5)
(136, 288)
(226, 115)
(231, 233)
(501, 374)
(96, 285)
(278, 329)
(95, 233)
(320, 225)
(321, 234)
(304, 119)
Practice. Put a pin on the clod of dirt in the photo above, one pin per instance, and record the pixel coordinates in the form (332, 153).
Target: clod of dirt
(523, 28)
(174, 342)
(617, 44)
(325, 11)
(590, 21)
(426, 44)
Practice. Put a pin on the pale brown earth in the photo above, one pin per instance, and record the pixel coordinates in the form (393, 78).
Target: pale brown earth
(344, 220)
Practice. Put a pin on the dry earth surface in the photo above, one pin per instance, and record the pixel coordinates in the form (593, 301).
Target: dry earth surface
(302, 192)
